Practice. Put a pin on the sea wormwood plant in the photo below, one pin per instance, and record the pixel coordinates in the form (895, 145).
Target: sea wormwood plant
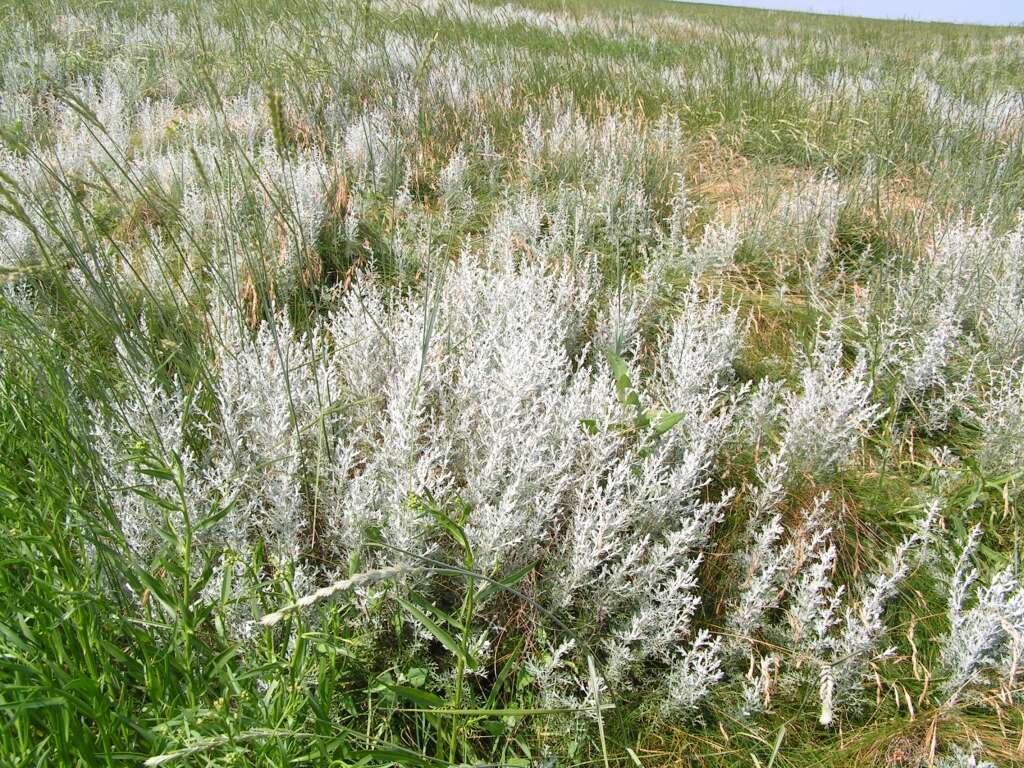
(604, 383)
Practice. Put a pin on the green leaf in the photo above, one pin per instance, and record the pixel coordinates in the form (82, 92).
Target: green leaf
(778, 744)
(417, 696)
(499, 682)
(454, 530)
(439, 615)
(434, 629)
(216, 515)
(666, 421)
(398, 756)
(27, 704)
(507, 583)
(623, 384)
(159, 593)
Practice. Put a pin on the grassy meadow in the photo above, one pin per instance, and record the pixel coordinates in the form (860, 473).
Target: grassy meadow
(625, 383)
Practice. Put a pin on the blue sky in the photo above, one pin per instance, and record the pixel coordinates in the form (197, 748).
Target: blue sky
(975, 11)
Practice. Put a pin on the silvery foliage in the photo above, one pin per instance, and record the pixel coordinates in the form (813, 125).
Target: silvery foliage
(998, 413)
(296, 191)
(255, 447)
(713, 254)
(692, 678)
(763, 412)
(268, 399)
(767, 559)
(824, 421)
(620, 325)
(802, 221)
(810, 214)
(558, 682)
(929, 327)
(154, 419)
(474, 385)
(963, 758)
(984, 276)
(694, 363)
(862, 628)
(640, 525)
(514, 400)
(475, 388)
(834, 631)
(453, 183)
(838, 632)
(986, 627)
